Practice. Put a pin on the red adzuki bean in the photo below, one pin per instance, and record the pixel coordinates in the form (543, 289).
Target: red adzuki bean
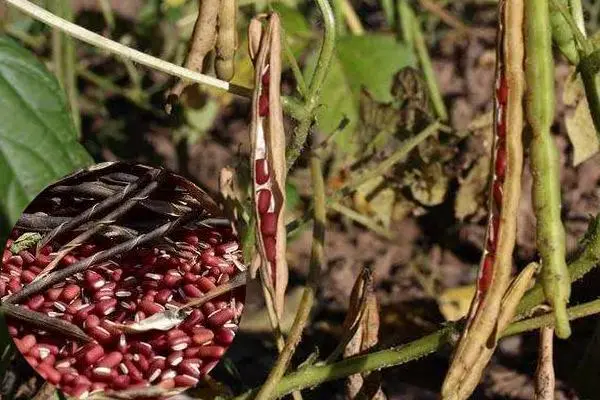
(123, 291)
(270, 248)
(185, 380)
(220, 317)
(110, 360)
(264, 201)
(179, 343)
(261, 171)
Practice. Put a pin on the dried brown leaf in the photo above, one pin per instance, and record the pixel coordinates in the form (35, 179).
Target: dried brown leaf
(579, 123)
(363, 320)
(471, 189)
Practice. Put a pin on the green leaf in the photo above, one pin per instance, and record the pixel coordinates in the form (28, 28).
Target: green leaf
(368, 61)
(38, 141)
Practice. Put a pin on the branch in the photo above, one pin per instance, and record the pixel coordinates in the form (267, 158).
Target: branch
(127, 52)
(312, 376)
(314, 90)
(316, 375)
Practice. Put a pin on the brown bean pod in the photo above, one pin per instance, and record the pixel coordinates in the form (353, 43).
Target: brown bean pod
(226, 40)
(268, 154)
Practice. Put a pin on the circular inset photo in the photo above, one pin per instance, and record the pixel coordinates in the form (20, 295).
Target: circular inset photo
(122, 280)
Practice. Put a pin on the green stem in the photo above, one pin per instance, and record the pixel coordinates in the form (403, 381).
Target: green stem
(57, 45)
(110, 86)
(585, 45)
(565, 27)
(64, 59)
(340, 26)
(111, 46)
(388, 11)
(107, 14)
(361, 219)
(316, 83)
(406, 17)
(316, 375)
(308, 297)
(70, 63)
(301, 84)
(587, 259)
(427, 67)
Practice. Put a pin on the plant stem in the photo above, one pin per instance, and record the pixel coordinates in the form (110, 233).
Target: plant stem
(137, 98)
(351, 18)
(316, 375)
(314, 90)
(361, 219)
(438, 10)
(107, 14)
(302, 89)
(388, 11)
(588, 258)
(57, 45)
(308, 297)
(427, 67)
(116, 48)
(70, 70)
(579, 36)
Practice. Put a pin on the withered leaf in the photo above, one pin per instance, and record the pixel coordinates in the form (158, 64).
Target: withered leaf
(373, 198)
(377, 123)
(469, 195)
(25, 241)
(363, 320)
(429, 185)
(578, 121)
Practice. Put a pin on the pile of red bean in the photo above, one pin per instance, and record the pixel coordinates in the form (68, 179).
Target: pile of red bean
(130, 288)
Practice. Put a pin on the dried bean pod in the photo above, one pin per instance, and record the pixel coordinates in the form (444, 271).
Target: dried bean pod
(496, 264)
(202, 42)
(226, 40)
(268, 163)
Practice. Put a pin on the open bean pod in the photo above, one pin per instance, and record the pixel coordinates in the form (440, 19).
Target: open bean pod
(268, 154)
